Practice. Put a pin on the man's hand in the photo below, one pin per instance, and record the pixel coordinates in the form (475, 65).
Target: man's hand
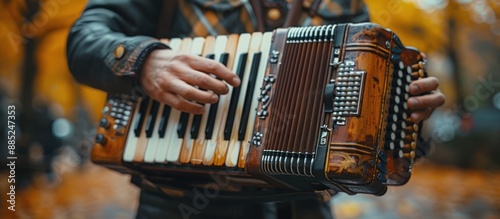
(170, 77)
(424, 105)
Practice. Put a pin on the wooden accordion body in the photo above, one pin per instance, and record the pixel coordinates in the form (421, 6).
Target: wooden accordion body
(319, 108)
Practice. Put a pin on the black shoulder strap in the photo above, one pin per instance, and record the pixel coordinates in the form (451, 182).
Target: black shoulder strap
(257, 11)
(293, 14)
(167, 14)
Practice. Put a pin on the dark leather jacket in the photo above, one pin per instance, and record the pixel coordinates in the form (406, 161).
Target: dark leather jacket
(109, 42)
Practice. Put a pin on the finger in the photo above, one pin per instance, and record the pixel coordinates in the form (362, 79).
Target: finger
(432, 100)
(420, 115)
(204, 81)
(423, 85)
(216, 68)
(180, 103)
(189, 92)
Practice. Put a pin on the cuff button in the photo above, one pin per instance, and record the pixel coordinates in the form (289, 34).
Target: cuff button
(119, 51)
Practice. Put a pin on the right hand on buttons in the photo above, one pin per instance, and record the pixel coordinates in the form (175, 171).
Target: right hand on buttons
(170, 77)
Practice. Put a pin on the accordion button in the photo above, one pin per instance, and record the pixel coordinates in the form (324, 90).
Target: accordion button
(104, 123)
(120, 130)
(105, 110)
(100, 139)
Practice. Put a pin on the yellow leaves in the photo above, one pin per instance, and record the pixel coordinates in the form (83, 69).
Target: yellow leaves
(426, 31)
(426, 28)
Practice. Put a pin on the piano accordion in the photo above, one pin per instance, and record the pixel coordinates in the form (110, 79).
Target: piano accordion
(319, 108)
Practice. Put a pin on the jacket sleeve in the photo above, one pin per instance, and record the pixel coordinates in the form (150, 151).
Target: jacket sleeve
(108, 43)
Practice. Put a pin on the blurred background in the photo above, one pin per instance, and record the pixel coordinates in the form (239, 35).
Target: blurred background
(56, 117)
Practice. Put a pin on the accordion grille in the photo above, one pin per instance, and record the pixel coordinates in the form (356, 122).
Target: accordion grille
(297, 101)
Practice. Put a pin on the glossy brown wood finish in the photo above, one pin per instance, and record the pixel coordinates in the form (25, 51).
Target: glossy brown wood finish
(357, 148)
(261, 125)
(110, 153)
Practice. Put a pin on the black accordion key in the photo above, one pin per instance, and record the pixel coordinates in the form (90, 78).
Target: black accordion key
(182, 126)
(249, 96)
(195, 127)
(141, 116)
(234, 98)
(150, 122)
(162, 127)
(213, 108)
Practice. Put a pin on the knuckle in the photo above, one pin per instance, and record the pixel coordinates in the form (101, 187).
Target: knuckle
(160, 81)
(183, 57)
(211, 65)
(176, 104)
(202, 80)
(169, 67)
(207, 98)
(173, 67)
(185, 91)
(164, 98)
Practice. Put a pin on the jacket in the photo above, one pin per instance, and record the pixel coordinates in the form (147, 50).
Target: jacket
(108, 44)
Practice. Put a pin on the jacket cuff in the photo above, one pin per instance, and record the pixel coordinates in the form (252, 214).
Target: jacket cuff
(127, 58)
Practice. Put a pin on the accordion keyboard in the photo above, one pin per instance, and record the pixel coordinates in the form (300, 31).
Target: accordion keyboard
(220, 136)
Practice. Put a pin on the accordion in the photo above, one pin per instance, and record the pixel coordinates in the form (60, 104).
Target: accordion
(319, 108)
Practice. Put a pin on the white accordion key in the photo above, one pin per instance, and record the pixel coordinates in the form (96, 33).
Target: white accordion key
(230, 47)
(234, 144)
(153, 142)
(164, 143)
(188, 143)
(175, 144)
(222, 144)
(131, 144)
(200, 141)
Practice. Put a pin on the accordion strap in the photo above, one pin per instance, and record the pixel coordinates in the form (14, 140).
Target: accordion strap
(167, 14)
(249, 195)
(293, 14)
(257, 10)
